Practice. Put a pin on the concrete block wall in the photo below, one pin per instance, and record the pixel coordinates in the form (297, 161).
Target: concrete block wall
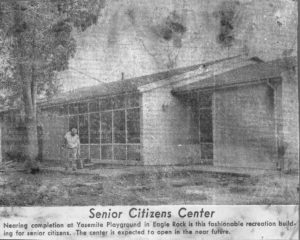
(13, 135)
(13, 141)
(54, 128)
(250, 125)
(244, 130)
(166, 136)
(290, 119)
(279, 124)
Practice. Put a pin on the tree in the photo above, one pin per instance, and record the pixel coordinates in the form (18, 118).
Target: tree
(37, 43)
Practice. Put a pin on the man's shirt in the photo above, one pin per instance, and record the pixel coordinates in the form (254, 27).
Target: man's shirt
(72, 141)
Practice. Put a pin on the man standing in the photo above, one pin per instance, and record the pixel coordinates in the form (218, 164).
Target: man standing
(72, 146)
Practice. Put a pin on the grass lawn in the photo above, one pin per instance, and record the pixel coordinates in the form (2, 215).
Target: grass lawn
(55, 188)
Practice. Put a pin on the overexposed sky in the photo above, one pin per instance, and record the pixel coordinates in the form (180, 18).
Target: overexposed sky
(133, 36)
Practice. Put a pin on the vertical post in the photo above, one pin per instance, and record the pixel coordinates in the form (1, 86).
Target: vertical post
(112, 135)
(276, 127)
(199, 132)
(126, 148)
(141, 125)
(0, 143)
(213, 120)
(279, 160)
(89, 125)
(100, 131)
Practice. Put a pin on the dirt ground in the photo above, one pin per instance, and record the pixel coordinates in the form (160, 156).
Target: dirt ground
(116, 186)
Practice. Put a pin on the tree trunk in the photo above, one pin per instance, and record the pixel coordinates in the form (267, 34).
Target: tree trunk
(29, 89)
(32, 144)
(31, 153)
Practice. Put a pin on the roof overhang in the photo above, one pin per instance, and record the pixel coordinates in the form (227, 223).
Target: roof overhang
(202, 72)
(250, 73)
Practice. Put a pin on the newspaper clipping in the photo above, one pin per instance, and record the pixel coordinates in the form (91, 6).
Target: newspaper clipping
(136, 119)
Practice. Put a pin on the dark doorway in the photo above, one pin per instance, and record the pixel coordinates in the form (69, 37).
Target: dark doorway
(205, 126)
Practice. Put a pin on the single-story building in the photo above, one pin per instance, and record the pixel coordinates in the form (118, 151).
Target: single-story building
(235, 112)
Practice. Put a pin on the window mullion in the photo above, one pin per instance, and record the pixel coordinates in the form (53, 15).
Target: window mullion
(88, 128)
(100, 134)
(126, 133)
(113, 133)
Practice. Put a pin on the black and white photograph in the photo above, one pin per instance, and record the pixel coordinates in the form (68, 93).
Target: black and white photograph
(148, 103)
(132, 102)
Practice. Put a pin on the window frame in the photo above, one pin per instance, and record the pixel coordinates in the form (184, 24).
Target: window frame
(202, 108)
(131, 100)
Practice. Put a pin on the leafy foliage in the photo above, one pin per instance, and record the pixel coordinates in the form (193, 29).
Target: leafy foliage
(36, 42)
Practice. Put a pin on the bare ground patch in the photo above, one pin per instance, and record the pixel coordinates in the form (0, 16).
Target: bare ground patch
(55, 188)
